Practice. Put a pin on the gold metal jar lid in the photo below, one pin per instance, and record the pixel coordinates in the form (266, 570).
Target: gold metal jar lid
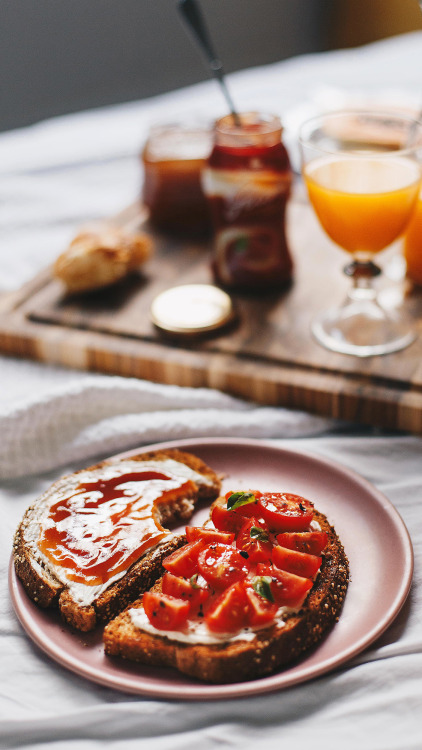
(191, 309)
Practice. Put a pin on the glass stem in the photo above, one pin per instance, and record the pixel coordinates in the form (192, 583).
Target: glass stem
(362, 274)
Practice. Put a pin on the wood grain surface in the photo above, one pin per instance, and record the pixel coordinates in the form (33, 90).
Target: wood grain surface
(268, 355)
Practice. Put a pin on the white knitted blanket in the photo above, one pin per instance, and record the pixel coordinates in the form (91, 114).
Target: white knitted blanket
(94, 415)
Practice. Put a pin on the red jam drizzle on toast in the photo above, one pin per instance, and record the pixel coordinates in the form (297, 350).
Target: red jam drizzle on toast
(263, 554)
(104, 526)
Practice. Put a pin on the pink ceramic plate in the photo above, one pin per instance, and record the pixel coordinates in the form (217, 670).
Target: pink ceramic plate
(374, 536)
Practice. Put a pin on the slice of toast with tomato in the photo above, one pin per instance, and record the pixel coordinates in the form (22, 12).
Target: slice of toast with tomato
(250, 592)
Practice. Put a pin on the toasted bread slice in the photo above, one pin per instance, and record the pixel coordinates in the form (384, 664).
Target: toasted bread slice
(82, 604)
(237, 659)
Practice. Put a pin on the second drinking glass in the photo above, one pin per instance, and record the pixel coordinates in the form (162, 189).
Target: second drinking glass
(362, 171)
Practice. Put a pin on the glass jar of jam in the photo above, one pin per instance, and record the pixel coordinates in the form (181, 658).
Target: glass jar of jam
(173, 158)
(247, 181)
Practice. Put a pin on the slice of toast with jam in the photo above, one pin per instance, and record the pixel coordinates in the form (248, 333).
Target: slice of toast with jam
(96, 539)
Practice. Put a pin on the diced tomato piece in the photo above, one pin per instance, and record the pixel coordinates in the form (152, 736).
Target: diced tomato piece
(253, 539)
(312, 542)
(195, 533)
(165, 612)
(288, 589)
(261, 610)
(194, 590)
(230, 611)
(226, 520)
(286, 512)
(221, 565)
(176, 586)
(300, 563)
(184, 561)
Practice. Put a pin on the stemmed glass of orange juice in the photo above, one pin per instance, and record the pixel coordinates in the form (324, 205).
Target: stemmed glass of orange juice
(363, 172)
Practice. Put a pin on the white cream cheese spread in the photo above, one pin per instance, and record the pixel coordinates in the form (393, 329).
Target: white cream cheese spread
(92, 522)
(197, 631)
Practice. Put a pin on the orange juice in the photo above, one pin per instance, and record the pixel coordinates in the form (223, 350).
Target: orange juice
(413, 245)
(363, 203)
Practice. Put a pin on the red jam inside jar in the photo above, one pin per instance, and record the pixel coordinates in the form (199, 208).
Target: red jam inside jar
(96, 531)
(247, 181)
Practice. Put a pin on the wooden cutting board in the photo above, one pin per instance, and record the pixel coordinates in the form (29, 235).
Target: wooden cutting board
(268, 356)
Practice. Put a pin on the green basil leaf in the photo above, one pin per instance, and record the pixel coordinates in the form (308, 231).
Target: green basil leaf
(241, 245)
(260, 534)
(262, 586)
(194, 581)
(237, 499)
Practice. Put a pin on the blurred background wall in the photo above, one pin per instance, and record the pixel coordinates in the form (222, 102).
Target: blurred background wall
(356, 22)
(59, 56)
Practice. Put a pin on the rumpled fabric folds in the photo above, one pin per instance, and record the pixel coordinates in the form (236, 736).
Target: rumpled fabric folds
(104, 415)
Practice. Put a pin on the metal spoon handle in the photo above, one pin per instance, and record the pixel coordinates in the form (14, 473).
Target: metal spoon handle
(192, 15)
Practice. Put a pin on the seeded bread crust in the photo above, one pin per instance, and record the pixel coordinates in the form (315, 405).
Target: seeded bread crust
(272, 648)
(44, 589)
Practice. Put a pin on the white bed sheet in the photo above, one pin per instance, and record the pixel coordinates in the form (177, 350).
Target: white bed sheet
(55, 175)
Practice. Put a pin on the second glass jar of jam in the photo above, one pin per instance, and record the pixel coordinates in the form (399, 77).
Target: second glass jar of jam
(173, 158)
(247, 181)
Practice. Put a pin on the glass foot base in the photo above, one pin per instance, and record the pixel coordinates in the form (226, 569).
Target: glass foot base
(362, 331)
